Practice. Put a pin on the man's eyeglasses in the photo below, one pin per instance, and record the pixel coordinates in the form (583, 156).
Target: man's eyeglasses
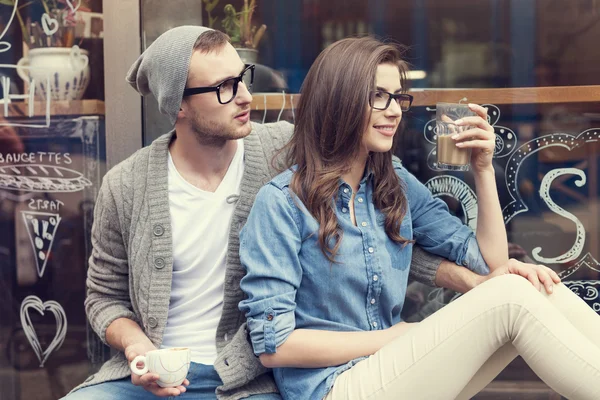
(381, 100)
(227, 89)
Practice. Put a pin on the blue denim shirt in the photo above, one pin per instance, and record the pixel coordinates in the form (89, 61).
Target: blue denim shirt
(290, 284)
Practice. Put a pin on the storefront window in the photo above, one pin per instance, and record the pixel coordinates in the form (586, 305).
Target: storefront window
(51, 166)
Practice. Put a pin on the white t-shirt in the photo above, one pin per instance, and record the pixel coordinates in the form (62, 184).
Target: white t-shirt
(200, 222)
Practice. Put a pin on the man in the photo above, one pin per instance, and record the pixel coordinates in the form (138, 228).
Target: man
(165, 269)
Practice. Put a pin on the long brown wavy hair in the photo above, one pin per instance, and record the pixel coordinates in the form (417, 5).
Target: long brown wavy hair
(332, 115)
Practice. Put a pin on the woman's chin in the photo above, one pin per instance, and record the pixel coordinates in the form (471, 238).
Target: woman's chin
(381, 148)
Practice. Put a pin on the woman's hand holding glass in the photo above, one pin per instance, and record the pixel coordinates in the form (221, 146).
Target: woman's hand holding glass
(480, 137)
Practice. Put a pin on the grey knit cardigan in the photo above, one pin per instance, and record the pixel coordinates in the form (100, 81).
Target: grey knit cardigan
(131, 265)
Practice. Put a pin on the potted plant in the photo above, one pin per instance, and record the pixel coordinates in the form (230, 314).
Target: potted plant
(50, 49)
(245, 36)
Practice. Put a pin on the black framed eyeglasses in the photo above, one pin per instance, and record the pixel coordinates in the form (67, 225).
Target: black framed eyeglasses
(381, 100)
(226, 90)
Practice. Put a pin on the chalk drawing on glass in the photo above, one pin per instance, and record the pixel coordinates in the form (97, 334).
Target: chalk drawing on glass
(73, 8)
(447, 185)
(42, 229)
(7, 97)
(570, 142)
(49, 25)
(68, 68)
(506, 139)
(577, 247)
(34, 303)
(587, 290)
(5, 46)
(42, 178)
(587, 261)
(40, 83)
(15, 198)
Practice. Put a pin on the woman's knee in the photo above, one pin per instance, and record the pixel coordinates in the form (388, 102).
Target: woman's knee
(510, 282)
(510, 288)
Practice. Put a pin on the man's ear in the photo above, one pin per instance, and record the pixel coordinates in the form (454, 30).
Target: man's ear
(181, 113)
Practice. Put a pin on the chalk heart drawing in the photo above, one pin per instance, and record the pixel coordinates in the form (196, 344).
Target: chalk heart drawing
(34, 302)
(447, 185)
(506, 139)
(50, 25)
(42, 178)
(5, 46)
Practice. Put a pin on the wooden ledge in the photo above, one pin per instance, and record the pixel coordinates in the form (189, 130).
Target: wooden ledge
(429, 97)
(20, 109)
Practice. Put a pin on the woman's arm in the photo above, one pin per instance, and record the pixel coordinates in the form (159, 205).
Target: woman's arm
(491, 232)
(309, 348)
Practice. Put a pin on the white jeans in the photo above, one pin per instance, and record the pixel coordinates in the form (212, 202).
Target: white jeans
(457, 351)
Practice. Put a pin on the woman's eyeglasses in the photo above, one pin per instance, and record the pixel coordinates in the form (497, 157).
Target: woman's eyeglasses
(381, 100)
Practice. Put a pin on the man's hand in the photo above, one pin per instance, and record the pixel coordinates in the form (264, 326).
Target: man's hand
(538, 275)
(148, 381)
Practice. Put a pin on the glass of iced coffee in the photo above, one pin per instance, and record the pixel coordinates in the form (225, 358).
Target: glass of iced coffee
(450, 157)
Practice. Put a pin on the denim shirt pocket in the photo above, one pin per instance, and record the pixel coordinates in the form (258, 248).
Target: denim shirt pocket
(406, 227)
(399, 253)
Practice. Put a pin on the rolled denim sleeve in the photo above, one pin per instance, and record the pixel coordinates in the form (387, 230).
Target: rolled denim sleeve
(439, 232)
(269, 246)
(473, 259)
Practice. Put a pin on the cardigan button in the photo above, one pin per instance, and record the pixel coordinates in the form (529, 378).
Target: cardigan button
(159, 262)
(152, 322)
(158, 230)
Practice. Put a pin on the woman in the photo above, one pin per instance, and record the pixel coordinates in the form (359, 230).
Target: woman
(327, 248)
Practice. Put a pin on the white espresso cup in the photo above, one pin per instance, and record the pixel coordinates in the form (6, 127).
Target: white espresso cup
(171, 365)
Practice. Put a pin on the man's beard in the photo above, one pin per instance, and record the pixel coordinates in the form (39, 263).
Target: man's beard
(212, 133)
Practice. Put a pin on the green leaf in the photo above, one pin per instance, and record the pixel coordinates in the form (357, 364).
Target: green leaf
(210, 5)
(8, 2)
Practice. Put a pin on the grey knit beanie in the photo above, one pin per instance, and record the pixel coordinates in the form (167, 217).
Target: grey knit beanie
(163, 68)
